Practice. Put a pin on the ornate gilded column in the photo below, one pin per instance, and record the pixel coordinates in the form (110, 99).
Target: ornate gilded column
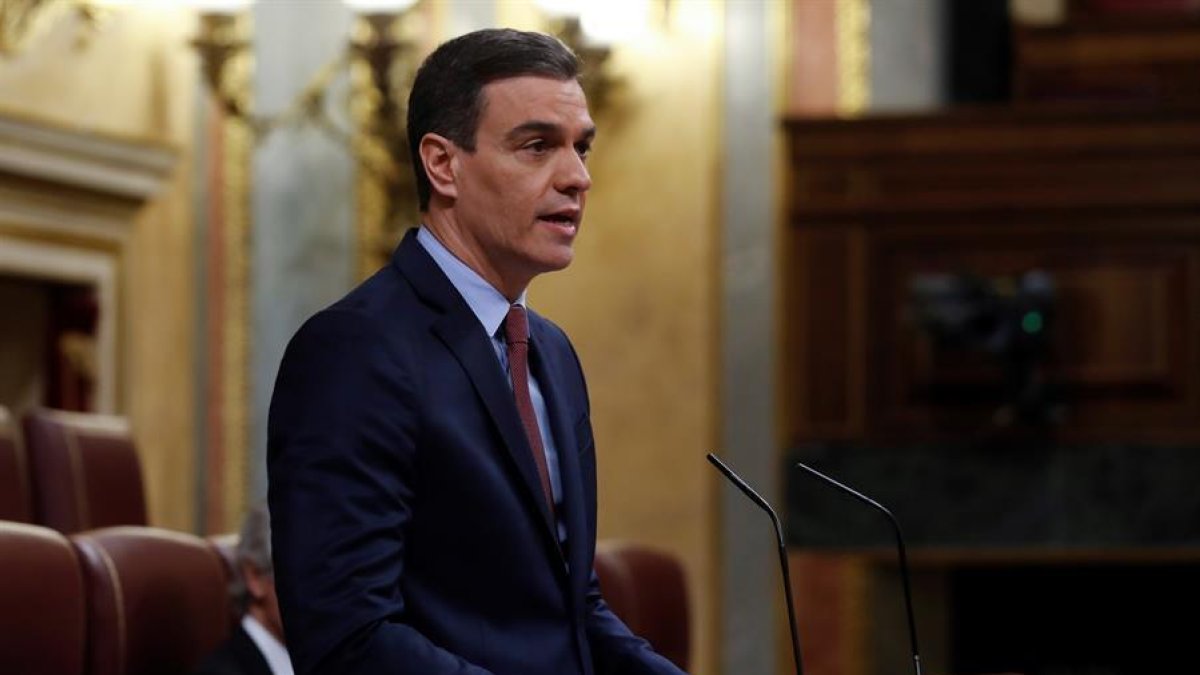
(853, 25)
(228, 149)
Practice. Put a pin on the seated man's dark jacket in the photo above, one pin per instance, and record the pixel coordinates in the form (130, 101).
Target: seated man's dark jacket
(236, 656)
(410, 530)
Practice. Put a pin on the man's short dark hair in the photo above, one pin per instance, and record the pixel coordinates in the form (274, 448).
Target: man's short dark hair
(446, 97)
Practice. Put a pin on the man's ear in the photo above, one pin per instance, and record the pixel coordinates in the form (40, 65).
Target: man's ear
(439, 155)
(255, 581)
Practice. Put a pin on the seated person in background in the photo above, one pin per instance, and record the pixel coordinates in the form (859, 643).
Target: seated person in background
(256, 645)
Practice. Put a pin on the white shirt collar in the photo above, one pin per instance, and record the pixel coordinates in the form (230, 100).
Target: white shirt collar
(272, 649)
(488, 304)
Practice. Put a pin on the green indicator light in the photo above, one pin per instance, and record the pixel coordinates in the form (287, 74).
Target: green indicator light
(1032, 322)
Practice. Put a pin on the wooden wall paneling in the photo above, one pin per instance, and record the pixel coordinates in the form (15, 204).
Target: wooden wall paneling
(1104, 200)
(850, 611)
(830, 594)
(851, 618)
(1151, 57)
(794, 294)
(825, 325)
(1125, 339)
(884, 168)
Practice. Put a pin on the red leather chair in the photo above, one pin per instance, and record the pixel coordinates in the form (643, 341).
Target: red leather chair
(42, 613)
(647, 590)
(16, 503)
(157, 600)
(85, 471)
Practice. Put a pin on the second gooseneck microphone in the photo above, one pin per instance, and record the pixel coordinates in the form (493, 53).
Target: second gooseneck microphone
(912, 624)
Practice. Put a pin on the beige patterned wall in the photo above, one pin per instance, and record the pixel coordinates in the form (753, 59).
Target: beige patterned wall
(134, 78)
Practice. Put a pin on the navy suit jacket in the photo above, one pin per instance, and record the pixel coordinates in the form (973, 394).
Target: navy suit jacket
(410, 531)
(236, 656)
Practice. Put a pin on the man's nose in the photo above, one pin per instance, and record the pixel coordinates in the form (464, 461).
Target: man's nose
(573, 177)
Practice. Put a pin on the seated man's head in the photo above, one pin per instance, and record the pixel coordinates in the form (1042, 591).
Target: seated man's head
(255, 590)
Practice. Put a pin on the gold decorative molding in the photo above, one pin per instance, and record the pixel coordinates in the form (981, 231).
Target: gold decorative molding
(384, 186)
(68, 200)
(225, 454)
(375, 226)
(374, 238)
(600, 84)
(78, 183)
(22, 20)
(236, 335)
(231, 137)
(853, 19)
(25, 21)
(28, 256)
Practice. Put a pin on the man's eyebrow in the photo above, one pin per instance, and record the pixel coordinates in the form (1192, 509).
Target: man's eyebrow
(542, 127)
(533, 127)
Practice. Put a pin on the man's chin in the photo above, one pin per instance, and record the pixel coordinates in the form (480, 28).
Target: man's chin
(556, 260)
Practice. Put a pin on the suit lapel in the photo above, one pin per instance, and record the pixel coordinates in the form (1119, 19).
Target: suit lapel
(247, 654)
(459, 330)
(474, 352)
(550, 378)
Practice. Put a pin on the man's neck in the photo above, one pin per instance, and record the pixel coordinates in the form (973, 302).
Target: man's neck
(442, 224)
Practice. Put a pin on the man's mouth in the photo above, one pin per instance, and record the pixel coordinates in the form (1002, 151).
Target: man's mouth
(564, 217)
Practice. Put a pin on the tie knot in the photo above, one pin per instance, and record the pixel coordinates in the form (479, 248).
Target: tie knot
(516, 325)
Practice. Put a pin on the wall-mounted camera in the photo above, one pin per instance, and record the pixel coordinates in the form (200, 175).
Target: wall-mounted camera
(1010, 318)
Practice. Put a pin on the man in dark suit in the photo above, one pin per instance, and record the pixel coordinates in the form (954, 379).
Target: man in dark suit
(255, 646)
(432, 471)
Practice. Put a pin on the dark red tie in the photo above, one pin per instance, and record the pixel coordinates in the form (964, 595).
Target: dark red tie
(516, 336)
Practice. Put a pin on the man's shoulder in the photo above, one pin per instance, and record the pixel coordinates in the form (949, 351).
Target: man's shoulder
(382, 304)
(379, 293)
(408, 289)
(553, 344)
(547, 330)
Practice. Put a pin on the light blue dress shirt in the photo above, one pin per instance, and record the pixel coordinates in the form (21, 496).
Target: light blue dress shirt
(491, 307)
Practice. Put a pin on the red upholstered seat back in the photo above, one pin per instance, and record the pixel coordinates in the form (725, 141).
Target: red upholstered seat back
(157, 600)
(85, 471)
(16, 503)
(42, 613)
(647, 589)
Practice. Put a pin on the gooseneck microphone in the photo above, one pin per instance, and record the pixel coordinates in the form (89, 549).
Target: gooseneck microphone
(787, 578)
(912, 624)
